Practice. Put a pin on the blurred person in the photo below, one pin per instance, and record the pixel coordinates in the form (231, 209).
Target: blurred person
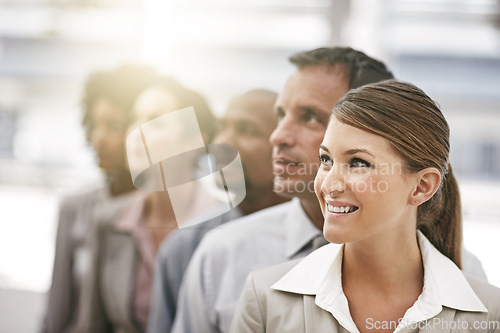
(126, 249)
(217, 271)
(392, 210)
(246, 125)
(108, 98)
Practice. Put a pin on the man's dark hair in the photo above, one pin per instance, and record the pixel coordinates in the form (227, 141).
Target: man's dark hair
(361, 69)
(119, 86)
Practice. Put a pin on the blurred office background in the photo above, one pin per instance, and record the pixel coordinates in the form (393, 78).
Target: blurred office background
(450, 48)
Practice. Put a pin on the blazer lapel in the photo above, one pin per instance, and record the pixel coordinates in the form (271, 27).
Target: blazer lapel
(319, 320)
(118, 277)
(316, 319)
(442, 323)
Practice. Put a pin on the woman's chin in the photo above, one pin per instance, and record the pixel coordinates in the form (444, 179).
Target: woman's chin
(105, 166)
(336, 235)
(109, 168)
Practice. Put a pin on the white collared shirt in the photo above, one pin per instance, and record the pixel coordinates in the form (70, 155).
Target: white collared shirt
(319, 274)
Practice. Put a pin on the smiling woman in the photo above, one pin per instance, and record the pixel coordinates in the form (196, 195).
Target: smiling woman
(350, 176)
(406, 129)
(392, 209)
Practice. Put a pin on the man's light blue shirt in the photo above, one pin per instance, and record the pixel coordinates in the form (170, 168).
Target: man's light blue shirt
(216, 274)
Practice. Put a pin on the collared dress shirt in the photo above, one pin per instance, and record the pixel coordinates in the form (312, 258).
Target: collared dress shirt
(216, 274)
(319, 276)
(133, 223)
(125, 258)
(172, 260)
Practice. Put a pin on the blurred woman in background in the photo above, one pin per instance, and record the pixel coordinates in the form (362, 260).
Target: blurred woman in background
(107, 102)
(126, 249)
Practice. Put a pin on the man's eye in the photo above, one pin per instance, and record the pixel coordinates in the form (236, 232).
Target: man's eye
(309, 117)
(357, 162)
(116, 127)
(280, 115)
(325, 160)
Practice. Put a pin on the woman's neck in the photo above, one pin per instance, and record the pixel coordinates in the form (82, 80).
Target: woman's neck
(159, 210)
(382, 277)
(159, 217)
(120, 182)
(384, 264)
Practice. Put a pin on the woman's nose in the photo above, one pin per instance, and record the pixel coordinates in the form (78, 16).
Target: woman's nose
(335, 180)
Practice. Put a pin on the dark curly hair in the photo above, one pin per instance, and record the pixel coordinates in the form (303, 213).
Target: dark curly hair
(119, 86)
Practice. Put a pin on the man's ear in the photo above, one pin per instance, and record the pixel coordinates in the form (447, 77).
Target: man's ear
(428, 182)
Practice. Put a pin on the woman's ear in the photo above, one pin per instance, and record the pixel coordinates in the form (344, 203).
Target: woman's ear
(428, 182)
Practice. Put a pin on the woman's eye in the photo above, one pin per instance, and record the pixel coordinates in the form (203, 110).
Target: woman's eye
(116, 127)
(325, 160)
(357, 162)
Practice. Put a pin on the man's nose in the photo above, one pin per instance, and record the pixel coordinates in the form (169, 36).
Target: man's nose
(284, 134)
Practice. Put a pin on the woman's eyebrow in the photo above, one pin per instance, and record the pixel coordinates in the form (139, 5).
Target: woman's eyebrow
(357, 150)
(350, 151)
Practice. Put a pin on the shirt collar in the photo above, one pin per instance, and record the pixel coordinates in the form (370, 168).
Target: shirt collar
(132, 216)
(132, 222)
(444, 284)
(451, 286)
(307, 276)
(299, 229)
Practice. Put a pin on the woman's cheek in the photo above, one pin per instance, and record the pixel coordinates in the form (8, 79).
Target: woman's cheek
(364, 184)
(318, 181)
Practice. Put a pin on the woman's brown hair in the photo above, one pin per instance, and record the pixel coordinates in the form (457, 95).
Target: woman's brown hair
(417, 130)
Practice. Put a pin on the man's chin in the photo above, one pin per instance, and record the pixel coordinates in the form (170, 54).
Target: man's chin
(285, 194)
(293, 187)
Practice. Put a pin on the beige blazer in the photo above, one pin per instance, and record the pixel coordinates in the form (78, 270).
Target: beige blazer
(262, 309)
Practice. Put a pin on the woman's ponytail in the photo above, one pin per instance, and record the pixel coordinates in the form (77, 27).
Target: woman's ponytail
(440, 219)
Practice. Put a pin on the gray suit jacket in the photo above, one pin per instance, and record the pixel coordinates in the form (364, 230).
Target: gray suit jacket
(110, 308)
(262, 309)
(79, 217)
